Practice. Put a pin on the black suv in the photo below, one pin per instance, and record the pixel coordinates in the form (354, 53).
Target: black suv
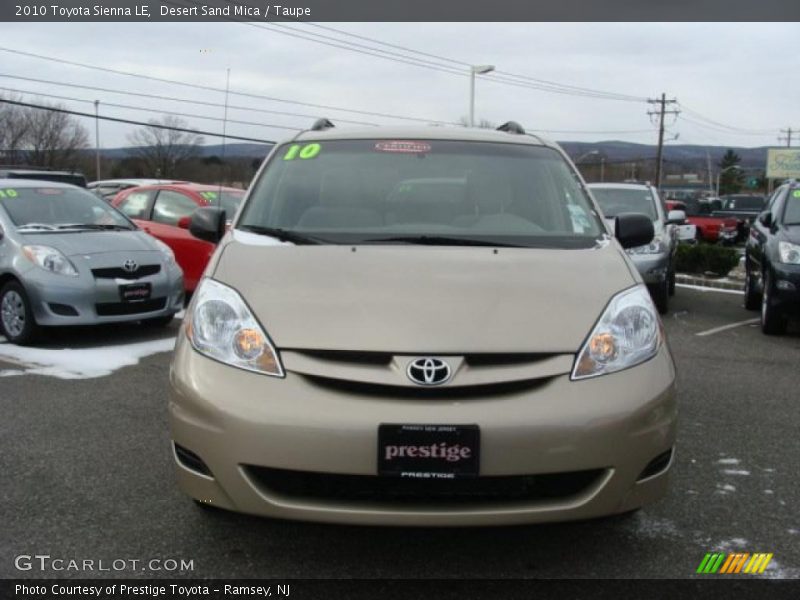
(773, 260)
(44, 174)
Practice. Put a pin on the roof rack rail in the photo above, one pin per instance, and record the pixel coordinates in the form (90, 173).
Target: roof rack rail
(512, 127)
(322, 124)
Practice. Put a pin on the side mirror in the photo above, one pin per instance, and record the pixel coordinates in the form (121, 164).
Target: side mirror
(185, 222)
(634, 229)
(676, 217)
(208, 223)
(765, 218)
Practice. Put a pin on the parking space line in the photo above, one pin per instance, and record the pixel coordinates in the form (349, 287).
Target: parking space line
(701, 288)
(726, 327)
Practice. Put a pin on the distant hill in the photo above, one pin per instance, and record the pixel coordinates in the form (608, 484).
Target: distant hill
(692, 157)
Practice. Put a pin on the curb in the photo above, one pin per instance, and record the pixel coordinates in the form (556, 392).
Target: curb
(709, 283)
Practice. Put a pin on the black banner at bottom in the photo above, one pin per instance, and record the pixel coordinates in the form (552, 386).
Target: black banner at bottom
(391, 589)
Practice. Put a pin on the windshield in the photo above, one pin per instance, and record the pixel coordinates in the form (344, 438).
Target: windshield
(791, 214)
(229, 200)
(755, 203)
(54, 207)
(614, 201)
(431, 191)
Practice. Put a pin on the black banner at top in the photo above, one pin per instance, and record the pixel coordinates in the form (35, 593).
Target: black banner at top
(399, 10)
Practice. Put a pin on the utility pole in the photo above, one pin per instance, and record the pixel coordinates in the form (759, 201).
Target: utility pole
(97, 137)
(662, 110)
(787, 137)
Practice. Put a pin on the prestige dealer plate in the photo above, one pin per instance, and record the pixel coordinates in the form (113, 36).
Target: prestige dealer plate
(428, 451)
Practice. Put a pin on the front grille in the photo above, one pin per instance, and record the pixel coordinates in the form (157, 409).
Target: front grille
(374, 489)
(418, 392)
(113, 309)
(120, 273)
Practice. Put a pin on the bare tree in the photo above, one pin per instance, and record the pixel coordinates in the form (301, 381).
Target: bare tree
(52, 139)
(482, 124)
(13, 127)
(163, 149)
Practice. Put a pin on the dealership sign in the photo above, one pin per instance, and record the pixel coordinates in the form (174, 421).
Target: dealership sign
(783, 163)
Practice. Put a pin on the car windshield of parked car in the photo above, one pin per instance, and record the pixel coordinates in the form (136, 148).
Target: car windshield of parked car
(228, 200)
(58, 209)
(791, 214)
(744, 203)
(423, 191)
(615, 201)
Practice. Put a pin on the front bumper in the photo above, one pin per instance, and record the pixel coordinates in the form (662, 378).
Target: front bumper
(233, 420)
(57, 300)
(652, 267)
(786, 292)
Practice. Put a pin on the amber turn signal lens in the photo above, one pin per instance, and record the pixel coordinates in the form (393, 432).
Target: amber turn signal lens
(248, 344)
(602, 347)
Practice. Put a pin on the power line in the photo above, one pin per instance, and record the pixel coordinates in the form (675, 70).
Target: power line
(662, 102)
(150, 110)
(220, 90)
(564, 88)
(131, 122)
(723, 125)
(174, 99)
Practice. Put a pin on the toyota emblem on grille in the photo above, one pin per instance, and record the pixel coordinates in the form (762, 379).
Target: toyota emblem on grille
(130, 266)
(428, 371)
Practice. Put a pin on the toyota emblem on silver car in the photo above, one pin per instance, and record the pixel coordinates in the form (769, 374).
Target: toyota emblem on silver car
(428, 371)
(130, 265)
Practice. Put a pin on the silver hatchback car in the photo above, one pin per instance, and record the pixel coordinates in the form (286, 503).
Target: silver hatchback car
(654, 261)
(68, 258)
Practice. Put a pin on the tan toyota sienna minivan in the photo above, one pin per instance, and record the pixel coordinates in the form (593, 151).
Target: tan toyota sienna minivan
(422, 326)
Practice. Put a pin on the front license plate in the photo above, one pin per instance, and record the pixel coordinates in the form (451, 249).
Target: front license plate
(428, 451)
(135, 292)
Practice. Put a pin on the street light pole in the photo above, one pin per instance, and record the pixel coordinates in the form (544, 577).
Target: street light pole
(97, 138)
(473, 71)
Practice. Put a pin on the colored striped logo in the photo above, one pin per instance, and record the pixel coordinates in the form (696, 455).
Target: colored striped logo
(736, 562)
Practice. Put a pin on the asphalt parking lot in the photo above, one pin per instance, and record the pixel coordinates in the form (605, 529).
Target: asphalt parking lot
(87, 473)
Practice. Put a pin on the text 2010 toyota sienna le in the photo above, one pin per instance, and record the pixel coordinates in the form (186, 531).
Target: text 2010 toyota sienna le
(422, 327)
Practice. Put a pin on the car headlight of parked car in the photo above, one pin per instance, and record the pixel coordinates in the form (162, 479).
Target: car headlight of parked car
(222, 327)
(169, 255)
(657, 246)
(789, 253)
(50, 259)
(627, 334)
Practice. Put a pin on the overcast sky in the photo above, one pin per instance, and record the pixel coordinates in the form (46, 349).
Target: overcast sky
(742, 76)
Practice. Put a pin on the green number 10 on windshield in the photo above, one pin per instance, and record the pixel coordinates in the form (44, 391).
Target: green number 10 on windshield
(8, 193)
(304, 152)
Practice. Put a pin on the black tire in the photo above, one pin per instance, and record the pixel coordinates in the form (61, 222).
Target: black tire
(773, 322)
(752, 299)
(17, 322)
(671, 283)
(158, 321)
(660, 295)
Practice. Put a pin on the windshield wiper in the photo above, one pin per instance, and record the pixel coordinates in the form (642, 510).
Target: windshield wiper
(97, 226)
(282, 234)
(440, 240)
(44, 226)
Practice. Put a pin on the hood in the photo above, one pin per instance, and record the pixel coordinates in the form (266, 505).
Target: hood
(423, 299)
(790, 233)
(92, 242)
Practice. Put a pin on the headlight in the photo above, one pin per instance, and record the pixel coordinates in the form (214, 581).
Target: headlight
(789, 253)
(169, 255)
(655, 247)
(50, 259)
(627, 334)
(222, 327)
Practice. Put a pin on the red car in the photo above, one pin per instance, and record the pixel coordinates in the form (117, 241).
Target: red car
(164, 211)
(709, 228)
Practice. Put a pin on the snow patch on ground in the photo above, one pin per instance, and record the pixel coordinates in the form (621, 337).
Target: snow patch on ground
(728, 461)
(735, 472)
(726, 487)
(79, 363)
